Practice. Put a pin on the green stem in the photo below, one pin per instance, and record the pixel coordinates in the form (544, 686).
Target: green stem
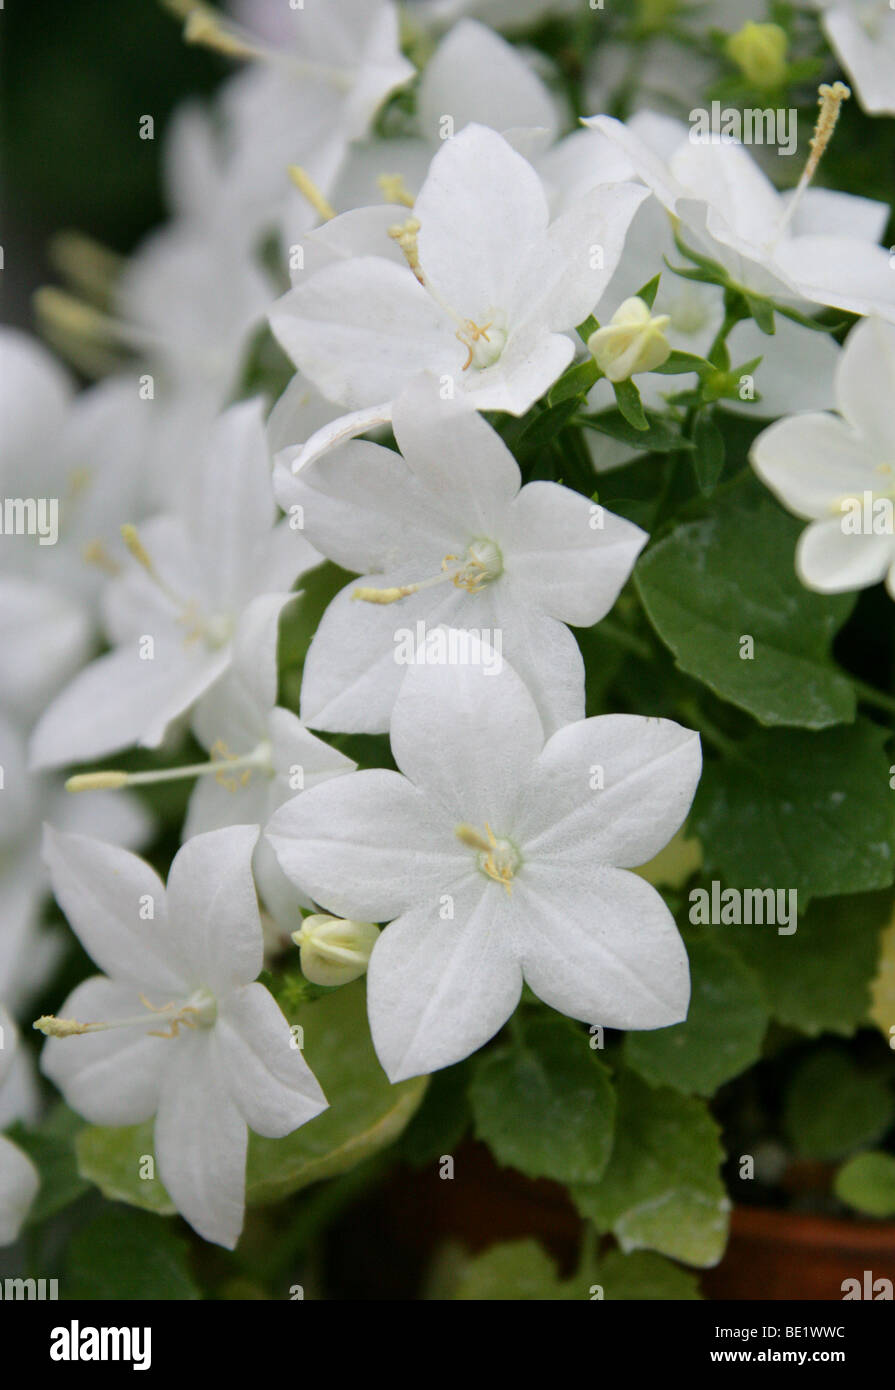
(871, 696)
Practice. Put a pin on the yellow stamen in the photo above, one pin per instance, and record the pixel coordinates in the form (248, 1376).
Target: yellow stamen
(395, 190)
(95, 553)
(405, 234)
(308, 188)
(830, 100)
(469, 335)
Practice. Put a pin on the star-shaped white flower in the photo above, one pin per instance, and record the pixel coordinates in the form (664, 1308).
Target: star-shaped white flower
(838, 471)
(171, 617)
(19, 1179)
(446, 534)
(176, 1028)
(809, 244)
(498, 858)
(487, 298)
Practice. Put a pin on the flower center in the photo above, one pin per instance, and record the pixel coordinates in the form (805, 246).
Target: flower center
(215, 629)
(497, 858)
(481, 563)
(483, 344)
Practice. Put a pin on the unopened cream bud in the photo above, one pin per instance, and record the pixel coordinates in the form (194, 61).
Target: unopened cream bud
(759, 51)
(632, 341)
(334, 951)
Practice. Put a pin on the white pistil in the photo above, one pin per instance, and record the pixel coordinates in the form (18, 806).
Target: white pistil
(199, 1011)
(222, 767)
(481, 564)
(499, 859)
(830, 99)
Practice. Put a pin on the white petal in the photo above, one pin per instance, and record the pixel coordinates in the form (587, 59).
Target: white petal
(466, 734)
(566, 278)
(437, 990)
(529, 364)
(866, 56)
(119, 700)
(367, 846)
(601, 946)
(45, 635)
(268, 1077)
(115, 1077)
(542, 652)
(363, 508)
(360, 329)
(477, 76)
(865, 385)
(103, 890)
(827, 211)
(568, 557)
(339, 429)
(839, 271)
(831, 562)
(810, 462)
(19, 1182)
(236, 708)
(212, 904)
(295, 746)
(461, 462)
(201, 1142)
(796, 371)
(648, 768)
(481, 208)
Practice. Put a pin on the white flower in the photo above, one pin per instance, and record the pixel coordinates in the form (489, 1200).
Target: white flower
(473, 76)
(447, 535)
(19, 1180)
(175, 1027)
(317, 75)
(838, 471)
(487, 298)
(808, 244)
(862, 35)
(502, 14)
(497, 858)
(172, 616)
(29, 951)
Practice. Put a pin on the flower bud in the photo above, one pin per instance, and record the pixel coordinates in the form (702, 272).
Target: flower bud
(334, 951)
(632, 341)
(759, 51)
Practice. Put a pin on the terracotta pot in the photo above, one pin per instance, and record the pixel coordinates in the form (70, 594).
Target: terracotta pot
(385, 1245)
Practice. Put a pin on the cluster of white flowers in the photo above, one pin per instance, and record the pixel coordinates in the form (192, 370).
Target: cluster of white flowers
(435, 274)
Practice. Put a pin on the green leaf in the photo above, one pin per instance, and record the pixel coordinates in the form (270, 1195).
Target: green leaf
(51, 1148)
(793, 810)
(627, 398)
(659, 438)
(545, 427)
(300, 621)
(649, 291)
(587, 328)
(680, 362)
(544, 1102)
(832, 1106)
(723, 1031)
(365, 1114)
(644, 1277)
(817, 979)
(713, 583)
(515, 1272)
(708, 460)
(125, 1255)
(867, 1183)
(575, 382)
(662, 1190)
(762, 310)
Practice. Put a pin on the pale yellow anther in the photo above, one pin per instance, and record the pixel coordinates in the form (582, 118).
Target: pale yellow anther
(405, 234)
(97, 781)
(131, 537)
(95, 553)
(395, 190)
(309, 190)
(830, 99)
(498, 859)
